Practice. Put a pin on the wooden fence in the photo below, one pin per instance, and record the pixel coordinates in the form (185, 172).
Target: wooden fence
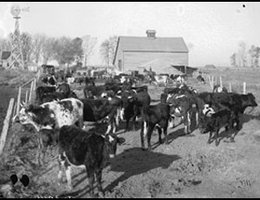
(14, 107)
(214, 81)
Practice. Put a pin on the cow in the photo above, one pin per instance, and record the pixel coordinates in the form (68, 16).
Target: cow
(159, 79)
(49, 80)
(64, 88)
(233, 101)
(201, 79)
(52, 114)
(183, 107)
(70, 80)
(184, 101)
(89, 81)
(62, 92)
(91, 150)
(133, 104)
(155, 116)
(96, 110)
(41, 91)
(214, 122)
(93, 92)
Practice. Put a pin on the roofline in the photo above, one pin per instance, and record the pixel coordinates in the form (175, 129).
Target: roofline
(117, 44)
(161, 51)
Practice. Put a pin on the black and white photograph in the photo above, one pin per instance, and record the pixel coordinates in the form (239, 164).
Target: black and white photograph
(129, 99)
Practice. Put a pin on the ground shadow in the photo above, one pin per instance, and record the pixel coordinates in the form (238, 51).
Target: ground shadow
(178, 133)
(136, 161)
(247, 117)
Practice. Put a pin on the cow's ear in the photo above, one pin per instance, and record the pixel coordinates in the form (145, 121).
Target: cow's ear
(120, 140)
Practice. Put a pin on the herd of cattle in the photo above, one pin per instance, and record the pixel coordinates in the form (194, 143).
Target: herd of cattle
(59, 117)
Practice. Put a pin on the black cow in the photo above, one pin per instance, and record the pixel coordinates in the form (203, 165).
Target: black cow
(78, 147)
(49, 80)
(62, 92)
(201, 79)
(233, 101)
(65, 89)
(214, 122)
(90, 81)
(96, 110)
(93, 92)
(155, 115)
(133, 104)
(41, 91)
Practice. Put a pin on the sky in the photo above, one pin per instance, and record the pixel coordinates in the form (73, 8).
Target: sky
(211, 30)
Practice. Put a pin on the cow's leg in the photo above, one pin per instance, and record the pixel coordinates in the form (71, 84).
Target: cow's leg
(134, 123)
(41, 151)
(188, 122)
(165, 134)
(99, 185)
(159, 134)
(143, 133)
(185, 119)
(68, 174)
(149, 135)
(61, 161)
(171, 124)
(114, 124)
(217, 139)
(109, 127)
(90, 175)
(210, 136)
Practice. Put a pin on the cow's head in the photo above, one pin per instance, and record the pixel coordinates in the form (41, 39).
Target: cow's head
(205, 124)
(35, 115)
(111, 141)
(250, 100)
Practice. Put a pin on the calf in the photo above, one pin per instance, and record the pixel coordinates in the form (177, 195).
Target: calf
(78, 147)
(155, 115)
(214, 122)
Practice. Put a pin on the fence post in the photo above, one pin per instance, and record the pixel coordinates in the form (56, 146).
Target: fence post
(26, 97)
(18, 100)
(230, 87)
(244, 87)
(31, 89)
(6, 125)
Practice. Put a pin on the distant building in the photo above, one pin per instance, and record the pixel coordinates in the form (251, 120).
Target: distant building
(5, 59)
(139, 53)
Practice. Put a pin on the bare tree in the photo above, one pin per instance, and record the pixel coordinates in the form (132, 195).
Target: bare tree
(48, 50)
(242, 54)
(107, 49)
(88, 45)
(233, 60)
(26, 46)
(38, 42)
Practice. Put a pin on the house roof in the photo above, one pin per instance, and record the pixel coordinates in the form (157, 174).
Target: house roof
(161, 44)
(5, 55)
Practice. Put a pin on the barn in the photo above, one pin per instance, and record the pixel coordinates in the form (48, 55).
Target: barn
(150, 52)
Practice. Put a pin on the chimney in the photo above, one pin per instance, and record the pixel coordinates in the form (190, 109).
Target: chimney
(151, 33)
